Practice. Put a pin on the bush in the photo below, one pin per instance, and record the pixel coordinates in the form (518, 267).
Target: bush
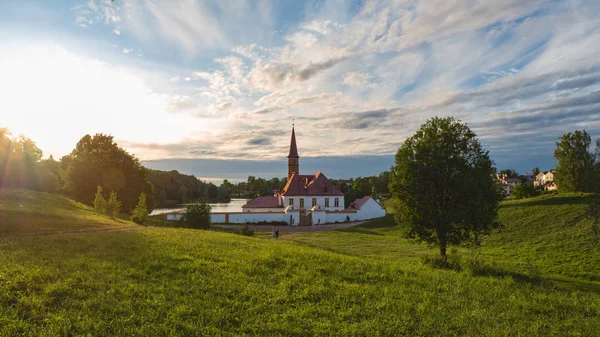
(140, 212)
(523, 191)
(99, 201)
(246, 230)
(197, 215)
(113, 206)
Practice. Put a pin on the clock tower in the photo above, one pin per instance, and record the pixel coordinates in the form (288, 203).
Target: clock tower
(293, 158)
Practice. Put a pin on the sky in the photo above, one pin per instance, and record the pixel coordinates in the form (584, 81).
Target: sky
(212, 87)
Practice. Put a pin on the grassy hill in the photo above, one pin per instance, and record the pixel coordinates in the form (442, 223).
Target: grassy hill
(25, 212)
(360, 281)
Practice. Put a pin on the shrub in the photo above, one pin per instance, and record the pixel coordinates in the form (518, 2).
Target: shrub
(197, 215)
(99, 201)
(246, 230)
(140, 212)
(523, 191)
(113, 206)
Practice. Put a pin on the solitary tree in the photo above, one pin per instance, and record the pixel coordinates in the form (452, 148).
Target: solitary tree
(140, 212)
(197, 215)
(443, 185)
(113, 206)
(99, 201)
(574, 161)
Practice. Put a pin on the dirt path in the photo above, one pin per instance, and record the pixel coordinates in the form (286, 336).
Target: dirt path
(297, 229)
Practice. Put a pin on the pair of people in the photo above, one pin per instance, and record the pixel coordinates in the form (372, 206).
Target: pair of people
(275, 233)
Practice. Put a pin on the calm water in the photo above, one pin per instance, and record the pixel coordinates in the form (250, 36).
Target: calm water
(235, 205)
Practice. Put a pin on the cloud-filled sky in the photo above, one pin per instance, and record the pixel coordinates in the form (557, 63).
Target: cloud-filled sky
(211, 87)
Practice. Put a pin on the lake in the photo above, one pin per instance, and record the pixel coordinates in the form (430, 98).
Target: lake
(235, 205)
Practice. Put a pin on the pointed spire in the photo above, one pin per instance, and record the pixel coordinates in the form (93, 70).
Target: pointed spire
(293, 147)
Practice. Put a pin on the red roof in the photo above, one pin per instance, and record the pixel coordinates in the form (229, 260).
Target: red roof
(317, 184)
(263, 202)
(293, 147)
(357, 204)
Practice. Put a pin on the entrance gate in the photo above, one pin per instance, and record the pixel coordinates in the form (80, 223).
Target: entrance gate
(305, 219)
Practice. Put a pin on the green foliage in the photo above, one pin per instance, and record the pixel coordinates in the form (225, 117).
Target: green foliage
(98, 160)
(100, 204)
(574, 161)
(444, 186)
(535, 171)
(113, 205)
(246, 230)
(173, 188)
(197, 215)
(510, 173)
(140, 212)
(21, 165)
(522, 191)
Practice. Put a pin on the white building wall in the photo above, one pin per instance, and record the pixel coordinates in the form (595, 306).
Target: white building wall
(320, 201)
(262, 210)
(319, 217)
(255, 217)
(370, 210)
(340, 217)
(217, 218)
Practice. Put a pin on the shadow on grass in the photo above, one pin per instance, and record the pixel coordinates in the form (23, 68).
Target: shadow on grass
(360, 231)
(570, 199)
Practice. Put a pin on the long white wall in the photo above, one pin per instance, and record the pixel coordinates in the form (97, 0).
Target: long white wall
(254, 217)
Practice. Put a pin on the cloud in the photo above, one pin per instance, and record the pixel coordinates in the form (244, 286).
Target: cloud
(127, 50)
(259, 141)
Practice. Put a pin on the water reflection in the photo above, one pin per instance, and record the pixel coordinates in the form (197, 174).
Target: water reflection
(234, 206)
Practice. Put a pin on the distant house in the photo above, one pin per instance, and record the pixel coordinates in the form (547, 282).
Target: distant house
(543, 178)
(507, 184)
(550, 186)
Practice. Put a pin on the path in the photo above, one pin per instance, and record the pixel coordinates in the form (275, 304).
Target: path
(297, 229)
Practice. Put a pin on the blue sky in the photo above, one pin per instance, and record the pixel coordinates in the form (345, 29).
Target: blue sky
(211, 87)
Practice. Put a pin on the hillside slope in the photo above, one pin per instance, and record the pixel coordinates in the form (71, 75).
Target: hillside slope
(167, 281)
(551, 232)
(26, 212)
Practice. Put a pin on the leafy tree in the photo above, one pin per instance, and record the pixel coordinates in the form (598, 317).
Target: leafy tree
(113, 205)
(444, 186)
(510, 173)
(98, 160)
(197, 215)
(99, 201)
(140, 212)
(574, 161)
(523, 191)
(535, 171)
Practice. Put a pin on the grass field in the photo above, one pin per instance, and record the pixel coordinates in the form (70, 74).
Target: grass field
(360, 281)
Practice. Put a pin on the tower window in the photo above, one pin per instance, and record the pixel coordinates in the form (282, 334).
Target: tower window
(301, 202)
(336, 202)
(326, 202)
(314, 202)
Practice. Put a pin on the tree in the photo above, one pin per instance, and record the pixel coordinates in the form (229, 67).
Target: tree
(140, 212)
(510, 173)
(574, 161)
(197, 215)
(535, 171)
(523, 191)
(113, 205)
(99, 201)
(444, 186)
(98, 160)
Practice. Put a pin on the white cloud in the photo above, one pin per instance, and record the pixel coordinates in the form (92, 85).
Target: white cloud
(127, 50)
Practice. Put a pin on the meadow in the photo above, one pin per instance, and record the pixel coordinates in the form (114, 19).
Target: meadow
(535, 277)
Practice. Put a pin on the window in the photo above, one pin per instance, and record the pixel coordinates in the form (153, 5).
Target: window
(301, 202)
(326, 202)
(336, 202)
(314, 202)
(291, 202)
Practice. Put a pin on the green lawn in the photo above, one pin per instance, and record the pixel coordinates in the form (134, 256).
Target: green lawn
(24, 212)
(360, 281)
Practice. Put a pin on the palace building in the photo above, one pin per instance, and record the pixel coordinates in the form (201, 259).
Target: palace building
(304, 200)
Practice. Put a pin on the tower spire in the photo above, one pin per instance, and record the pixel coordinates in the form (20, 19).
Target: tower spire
(293, 158)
